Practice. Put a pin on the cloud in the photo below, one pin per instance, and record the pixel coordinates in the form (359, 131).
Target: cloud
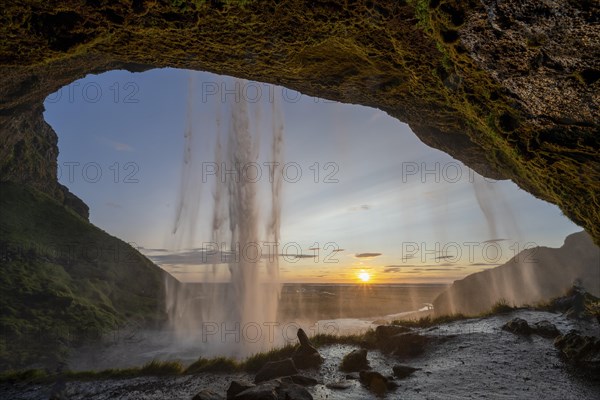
(122, 146)
(494, 240)
(443, 257)
(194, 257)
(117, 146)
(297, 255)
(397, 268)
(367, 255)
(362, 207)
(483, 264)
(431, 269)
(336, 250)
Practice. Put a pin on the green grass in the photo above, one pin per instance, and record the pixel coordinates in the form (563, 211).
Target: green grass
(256, 361)
(218, 364)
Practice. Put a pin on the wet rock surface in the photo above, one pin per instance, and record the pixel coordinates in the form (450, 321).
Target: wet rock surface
(472, 358)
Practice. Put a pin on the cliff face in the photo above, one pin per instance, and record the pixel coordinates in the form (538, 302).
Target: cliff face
(532, 276)
(510, 88)
(64, 282)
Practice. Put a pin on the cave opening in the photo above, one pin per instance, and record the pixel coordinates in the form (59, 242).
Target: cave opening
(364, 202)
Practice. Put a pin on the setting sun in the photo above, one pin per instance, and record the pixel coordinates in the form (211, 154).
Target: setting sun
(364, 276)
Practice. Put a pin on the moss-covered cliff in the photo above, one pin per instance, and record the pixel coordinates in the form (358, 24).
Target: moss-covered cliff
(63, 281)
(509, 88)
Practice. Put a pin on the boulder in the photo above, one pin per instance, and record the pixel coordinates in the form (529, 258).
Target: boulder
(207, 394)
(277, 389)
(384, 332)
(582, 351)
(403, 371)
(306, 355)
(276, 369)
(293, 391)
(264, 391)
(303, 380)
(237, 387)
(545, 329)
(356, 360)
(517, 326)
(404, 344)
(376, 382)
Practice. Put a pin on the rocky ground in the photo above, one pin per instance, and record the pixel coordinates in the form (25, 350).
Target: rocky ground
(477, 358)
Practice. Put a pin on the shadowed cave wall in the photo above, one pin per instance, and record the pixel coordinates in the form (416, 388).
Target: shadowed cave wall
(510, 89)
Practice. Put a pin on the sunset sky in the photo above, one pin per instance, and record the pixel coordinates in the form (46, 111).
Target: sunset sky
(392, 207)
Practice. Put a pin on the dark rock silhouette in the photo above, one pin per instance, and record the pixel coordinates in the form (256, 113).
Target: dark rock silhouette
(306, 355)
(546, 329)
(303, 380)
(517, 326)
(237, 387)
(356, 360)
(376, 382)
(277, 389)
(207, 394)
(276, 369)
(407, 344)
(403, 371)
(580, 350)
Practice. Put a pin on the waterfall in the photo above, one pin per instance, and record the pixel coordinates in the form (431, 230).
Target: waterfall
(236, 317)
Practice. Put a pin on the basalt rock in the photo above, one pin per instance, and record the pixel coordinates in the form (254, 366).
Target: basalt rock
(306, 355)
(356, 360)
(207, 394)
(376, 382)
(580, 350)
(403, 371)
(277, 389)
(276, 369)
(510, 88)
(546, 329)
(236, 387)
(404, 344)
(517, 326)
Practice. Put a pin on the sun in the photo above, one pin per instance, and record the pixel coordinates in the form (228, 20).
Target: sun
(364, 276)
